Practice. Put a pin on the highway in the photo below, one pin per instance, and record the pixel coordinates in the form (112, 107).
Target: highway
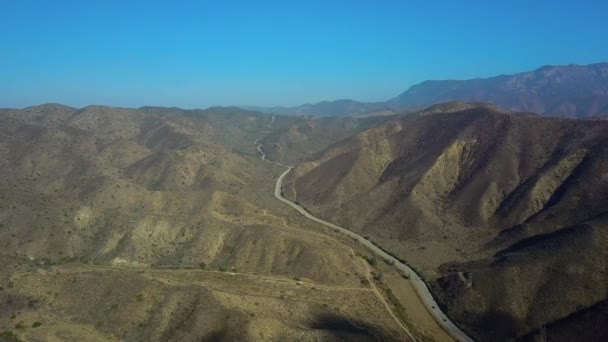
(417, 282)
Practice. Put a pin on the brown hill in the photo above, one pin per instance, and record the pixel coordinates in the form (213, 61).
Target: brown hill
(478, 200)
(160, 224)
(118, 184)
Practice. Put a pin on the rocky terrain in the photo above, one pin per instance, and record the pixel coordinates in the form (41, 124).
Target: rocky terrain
(503, 212)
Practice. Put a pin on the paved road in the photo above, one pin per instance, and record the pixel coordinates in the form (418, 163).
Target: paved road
(417, 282)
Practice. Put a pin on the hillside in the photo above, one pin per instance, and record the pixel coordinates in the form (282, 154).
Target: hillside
(160, 224)
(477, 200)
(295, 138)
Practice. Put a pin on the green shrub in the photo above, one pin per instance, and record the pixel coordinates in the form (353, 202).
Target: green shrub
(36, 324)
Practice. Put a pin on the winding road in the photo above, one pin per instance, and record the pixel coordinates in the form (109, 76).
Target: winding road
(417, 282)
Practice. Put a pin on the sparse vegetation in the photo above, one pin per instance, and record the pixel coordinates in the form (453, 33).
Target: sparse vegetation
(9, 336)
(164, 216)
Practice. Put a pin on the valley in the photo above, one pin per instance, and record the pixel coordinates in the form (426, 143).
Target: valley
(417, 283)
(162, 223)
(306, 171)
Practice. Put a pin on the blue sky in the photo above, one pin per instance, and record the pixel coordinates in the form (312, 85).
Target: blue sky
(203, 53)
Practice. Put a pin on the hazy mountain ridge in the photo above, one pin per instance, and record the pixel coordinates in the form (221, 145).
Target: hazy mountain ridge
(565, 91)
(572, 90)
(344, 107)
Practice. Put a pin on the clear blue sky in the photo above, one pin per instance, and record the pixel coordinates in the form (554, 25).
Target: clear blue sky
(203, 53)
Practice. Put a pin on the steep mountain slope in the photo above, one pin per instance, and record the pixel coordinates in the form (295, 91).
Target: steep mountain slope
(478, 200)
(572, 90)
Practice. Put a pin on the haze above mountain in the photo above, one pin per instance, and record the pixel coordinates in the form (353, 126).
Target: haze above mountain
(565, 91)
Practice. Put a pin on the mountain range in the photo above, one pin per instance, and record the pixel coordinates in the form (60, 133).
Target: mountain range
(176, 209)
(564, 91)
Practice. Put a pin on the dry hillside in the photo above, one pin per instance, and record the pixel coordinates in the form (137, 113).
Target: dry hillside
(506, 214)
(159, 224)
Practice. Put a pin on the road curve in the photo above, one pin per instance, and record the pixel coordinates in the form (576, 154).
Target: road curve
(417, 282)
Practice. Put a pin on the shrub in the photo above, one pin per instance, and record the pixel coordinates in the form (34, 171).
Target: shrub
(372, 261)
(36, 324)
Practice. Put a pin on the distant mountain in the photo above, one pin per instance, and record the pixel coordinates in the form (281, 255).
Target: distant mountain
(566, 91)
(326, 108)
(572, 91)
